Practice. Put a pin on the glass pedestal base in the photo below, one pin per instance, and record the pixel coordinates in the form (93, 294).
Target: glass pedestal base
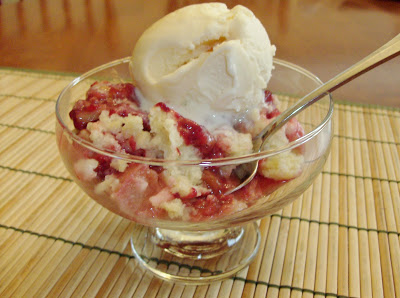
(196, 257)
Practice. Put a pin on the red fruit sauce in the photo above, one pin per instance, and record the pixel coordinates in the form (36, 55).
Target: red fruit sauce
(195, 135)
(121, 99)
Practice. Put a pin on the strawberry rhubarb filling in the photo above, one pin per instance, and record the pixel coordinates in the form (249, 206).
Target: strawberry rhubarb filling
(111, 118)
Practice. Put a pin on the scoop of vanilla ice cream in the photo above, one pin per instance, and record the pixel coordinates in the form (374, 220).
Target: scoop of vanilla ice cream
(209, 63)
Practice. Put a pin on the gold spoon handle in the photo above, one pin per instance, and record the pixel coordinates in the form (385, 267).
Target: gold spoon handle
(388, 51)
(381, 55)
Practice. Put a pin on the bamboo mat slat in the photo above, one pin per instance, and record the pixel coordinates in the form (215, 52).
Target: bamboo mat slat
(341, 238)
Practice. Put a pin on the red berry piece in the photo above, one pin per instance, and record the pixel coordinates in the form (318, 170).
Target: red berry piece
(272, 111)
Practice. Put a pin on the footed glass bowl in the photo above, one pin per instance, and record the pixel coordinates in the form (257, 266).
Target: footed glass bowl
(192, 238)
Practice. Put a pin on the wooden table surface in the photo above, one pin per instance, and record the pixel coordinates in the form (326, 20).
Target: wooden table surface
(324, 37)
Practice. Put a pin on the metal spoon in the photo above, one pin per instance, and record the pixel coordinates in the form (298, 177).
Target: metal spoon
(388, 51)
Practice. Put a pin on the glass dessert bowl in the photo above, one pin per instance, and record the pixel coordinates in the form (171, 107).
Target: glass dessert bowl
(191, 233)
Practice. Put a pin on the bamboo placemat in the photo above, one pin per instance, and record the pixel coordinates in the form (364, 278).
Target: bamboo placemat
(341, 238)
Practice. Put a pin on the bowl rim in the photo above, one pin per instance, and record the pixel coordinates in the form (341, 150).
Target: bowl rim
(198, 162)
